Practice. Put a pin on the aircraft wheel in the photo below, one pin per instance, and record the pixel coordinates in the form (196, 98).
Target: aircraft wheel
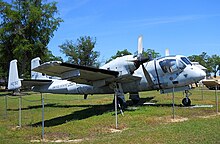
(186, 102)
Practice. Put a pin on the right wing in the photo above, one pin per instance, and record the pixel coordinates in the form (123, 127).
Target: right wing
(84, 74)
(77, 73)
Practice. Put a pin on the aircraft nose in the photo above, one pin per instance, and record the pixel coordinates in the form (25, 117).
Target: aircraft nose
(202, 74)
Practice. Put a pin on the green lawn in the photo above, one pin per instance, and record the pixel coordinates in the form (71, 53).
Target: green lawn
(70, 117)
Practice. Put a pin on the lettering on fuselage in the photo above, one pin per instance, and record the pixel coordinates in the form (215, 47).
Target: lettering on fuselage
(60, 86)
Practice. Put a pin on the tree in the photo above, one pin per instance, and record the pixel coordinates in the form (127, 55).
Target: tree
(152, 53)
(214, 63)
(51, 57)
(25, 31)
(119, 54)
(82, 52)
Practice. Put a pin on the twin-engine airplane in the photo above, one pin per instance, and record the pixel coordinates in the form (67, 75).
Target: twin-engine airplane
(128, 74)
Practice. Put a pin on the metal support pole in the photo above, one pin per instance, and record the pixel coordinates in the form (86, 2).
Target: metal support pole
(216, 97)
(20, 103)
(116, 112)
(173, 105)
(42, 102)
(202, 91)
(6, 106)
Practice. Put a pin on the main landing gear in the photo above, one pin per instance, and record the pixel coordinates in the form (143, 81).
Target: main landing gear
(121, 103)
(186, 101)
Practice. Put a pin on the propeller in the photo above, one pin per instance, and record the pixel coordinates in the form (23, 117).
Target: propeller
(141, 60)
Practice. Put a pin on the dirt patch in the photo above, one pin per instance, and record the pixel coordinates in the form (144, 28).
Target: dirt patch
(169, 119)
(116, 130)
(210, 116)
(58, 141)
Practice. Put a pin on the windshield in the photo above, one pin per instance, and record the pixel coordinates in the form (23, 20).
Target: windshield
(169, 65)
(186, 60)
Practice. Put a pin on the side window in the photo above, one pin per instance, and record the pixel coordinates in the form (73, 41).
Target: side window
(169, 65)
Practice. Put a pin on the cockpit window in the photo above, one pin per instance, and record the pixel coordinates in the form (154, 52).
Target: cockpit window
(181, 65)
(186, 60)
(169, 65)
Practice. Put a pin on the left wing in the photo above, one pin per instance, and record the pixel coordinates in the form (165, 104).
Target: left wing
(79, 74)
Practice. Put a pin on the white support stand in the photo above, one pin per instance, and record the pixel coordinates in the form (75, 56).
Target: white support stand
(6, 106)
(202, 88)
(20, 103)
(173, 107)
(116, 111)
(216, 97)
(42, 103)
(118, 92)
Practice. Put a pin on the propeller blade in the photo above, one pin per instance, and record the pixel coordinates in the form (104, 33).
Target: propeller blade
(147, 76)
(140, 45)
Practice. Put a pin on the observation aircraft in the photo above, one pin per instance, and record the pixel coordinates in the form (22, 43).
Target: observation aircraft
(127, 74)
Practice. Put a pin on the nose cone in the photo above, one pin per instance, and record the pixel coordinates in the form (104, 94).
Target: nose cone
(199, 74)
(202, 74)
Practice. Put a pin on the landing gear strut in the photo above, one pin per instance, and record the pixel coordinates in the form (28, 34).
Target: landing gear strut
(121, 103)
(186, 101)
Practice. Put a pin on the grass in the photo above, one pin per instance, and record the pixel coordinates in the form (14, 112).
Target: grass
(70, 117)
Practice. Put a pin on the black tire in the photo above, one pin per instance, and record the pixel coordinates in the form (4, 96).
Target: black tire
(185, 102)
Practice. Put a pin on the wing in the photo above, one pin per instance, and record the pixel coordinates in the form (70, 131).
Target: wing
(79, 74)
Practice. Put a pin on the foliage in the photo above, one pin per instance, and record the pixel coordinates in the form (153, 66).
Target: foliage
(82, 52)
(51, 57)
(119, 54)
(214, 63)
(152, 53)
(25, 31)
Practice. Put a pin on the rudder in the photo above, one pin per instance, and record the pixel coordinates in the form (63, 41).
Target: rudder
(13, 81)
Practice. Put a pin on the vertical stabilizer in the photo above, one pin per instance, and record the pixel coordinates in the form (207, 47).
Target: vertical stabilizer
(13, 81)
(36, 75)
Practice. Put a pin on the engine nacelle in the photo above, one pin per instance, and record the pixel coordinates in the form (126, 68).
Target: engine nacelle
(124, 65)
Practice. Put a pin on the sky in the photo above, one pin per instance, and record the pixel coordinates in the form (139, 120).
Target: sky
(186, 27)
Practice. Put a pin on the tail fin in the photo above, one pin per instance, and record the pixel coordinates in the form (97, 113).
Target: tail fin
(13, 81)
(36, 75)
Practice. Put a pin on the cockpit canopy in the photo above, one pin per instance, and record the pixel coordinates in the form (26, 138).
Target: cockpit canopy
(174, 64)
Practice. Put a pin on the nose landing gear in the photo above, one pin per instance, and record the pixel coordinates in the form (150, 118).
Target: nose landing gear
(186, 101)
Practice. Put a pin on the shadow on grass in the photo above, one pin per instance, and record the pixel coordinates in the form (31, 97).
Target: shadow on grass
(92, 110)
(89, 111)
(5, 94)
